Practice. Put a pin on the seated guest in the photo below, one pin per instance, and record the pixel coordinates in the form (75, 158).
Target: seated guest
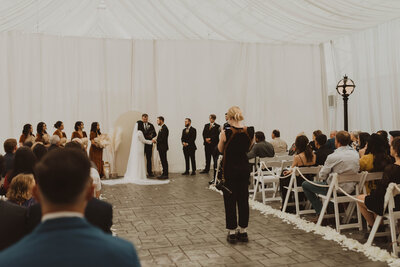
(385, 136)
(39, 150)
(344, 160)
(362, 142)
(20, 190)
(54, 142)
(323, 149)
(375, 158)
(27, 135)
(64, 236)
(279, 145)
(393, 134)
(10, 146)
(354, 139)
(41, 134)
(373, 202)
(314, 136)
(24, 162)
(12, 224)
(261, 148)
(304, 157)
(331, 140)
(2, 166)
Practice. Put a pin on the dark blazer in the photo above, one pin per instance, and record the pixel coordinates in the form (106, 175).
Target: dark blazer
(189, 138)
(149, 133)
(8, 163)
(99, 213)
(322, 153)
(12, 224)
(213, 134)
(331, 143)
(261, 149)
(162, 138)
(69, 242)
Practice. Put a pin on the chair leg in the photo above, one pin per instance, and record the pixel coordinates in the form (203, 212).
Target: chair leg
(393, 233)
(263, 190)
(373, 230)
(325, 205)
(337, 214)
(289, 190)
(296, 197)
(255, 188)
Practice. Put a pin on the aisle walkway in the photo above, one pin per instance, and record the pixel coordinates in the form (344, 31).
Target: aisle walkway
(182, 224)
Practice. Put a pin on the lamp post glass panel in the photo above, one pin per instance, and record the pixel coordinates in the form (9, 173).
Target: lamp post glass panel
(345, 87)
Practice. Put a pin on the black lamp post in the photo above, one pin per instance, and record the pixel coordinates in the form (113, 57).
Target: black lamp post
(345, 87)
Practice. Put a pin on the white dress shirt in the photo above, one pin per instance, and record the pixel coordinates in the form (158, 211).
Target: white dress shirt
(344, 160)
(61, 214)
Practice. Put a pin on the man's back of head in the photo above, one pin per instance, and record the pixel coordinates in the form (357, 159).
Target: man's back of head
(63, 189)
(342, 139)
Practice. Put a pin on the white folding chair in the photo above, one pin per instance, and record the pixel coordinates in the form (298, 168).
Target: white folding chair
(267, 174)
(293, 187)
(332, 196)
(284, 157)
(391, 215)
(371, 176)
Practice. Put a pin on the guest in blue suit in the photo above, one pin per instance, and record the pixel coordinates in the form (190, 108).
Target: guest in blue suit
(64, 237)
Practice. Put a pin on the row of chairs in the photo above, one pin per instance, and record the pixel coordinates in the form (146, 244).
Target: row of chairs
(268, 171)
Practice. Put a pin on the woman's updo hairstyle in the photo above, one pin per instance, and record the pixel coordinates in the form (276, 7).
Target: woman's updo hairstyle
(235, 113)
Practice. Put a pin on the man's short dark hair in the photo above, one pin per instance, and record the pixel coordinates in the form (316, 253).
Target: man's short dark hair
(343, 138)
(73, 145)
(321, 139)
(9, 145)
(260, 136)
(188, 119)
(213, 116)
(277, 133)
(62, 175)
(317, 132)
(161, 118)
(145, 115)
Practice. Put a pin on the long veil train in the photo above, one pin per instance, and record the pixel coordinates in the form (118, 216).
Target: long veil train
(136, 170)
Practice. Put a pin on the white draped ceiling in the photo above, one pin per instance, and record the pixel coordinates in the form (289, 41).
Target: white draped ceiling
(265, 21)
(182, 58)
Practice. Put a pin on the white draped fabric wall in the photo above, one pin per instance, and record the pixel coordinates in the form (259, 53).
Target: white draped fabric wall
(372, 59)
(53, 78)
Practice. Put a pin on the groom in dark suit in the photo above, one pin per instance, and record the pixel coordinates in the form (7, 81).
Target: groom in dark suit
(211, 138)
(189, 147)
(149, 133)
(162, 146)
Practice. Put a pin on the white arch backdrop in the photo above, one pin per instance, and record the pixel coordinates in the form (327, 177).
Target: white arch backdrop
(69, 78)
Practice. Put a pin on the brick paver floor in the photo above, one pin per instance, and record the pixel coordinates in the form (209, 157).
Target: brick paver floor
(183, 224)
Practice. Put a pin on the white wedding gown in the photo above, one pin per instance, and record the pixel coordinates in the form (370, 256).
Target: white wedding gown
(136, 169)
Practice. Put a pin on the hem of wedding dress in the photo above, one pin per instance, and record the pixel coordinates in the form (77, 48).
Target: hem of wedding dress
(134, 181)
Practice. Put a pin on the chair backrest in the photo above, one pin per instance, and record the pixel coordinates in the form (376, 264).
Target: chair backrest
(372, 176)
(350, 177)
(285, 157)
(308, 170)
(281, 154)
(287, 163)
(266, 159)
(272, 164)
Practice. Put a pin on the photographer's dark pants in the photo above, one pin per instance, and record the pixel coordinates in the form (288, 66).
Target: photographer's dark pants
(239, 198)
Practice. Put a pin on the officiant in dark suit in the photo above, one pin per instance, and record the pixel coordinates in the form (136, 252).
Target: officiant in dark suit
(149, 133)
(189, 147)
(162, 146)
(211, 138)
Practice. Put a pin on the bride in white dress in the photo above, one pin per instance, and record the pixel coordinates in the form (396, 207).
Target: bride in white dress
(136, 169)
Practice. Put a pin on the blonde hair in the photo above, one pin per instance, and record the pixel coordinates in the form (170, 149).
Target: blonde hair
(19, 190)
(235, 113)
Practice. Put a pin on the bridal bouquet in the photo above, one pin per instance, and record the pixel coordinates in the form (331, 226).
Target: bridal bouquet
(102, 140)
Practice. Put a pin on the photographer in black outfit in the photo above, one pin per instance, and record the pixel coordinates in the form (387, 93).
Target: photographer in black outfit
(234, 143)
(149, 133)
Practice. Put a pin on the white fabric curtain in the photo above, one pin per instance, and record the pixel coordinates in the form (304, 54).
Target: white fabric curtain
(48, 78)
(265, 21)
(372, 59)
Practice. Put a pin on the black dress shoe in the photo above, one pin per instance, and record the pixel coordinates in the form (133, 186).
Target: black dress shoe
(231, 238)
(212, 181)
(242, 237)
(163, 177)
(204, 171)
(150, 175)
(185, 173)
(193, 173)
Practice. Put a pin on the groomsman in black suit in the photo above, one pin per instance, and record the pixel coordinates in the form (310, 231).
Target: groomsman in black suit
(211, 138)
(149, 133)
(189, 147)
(162, 146)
